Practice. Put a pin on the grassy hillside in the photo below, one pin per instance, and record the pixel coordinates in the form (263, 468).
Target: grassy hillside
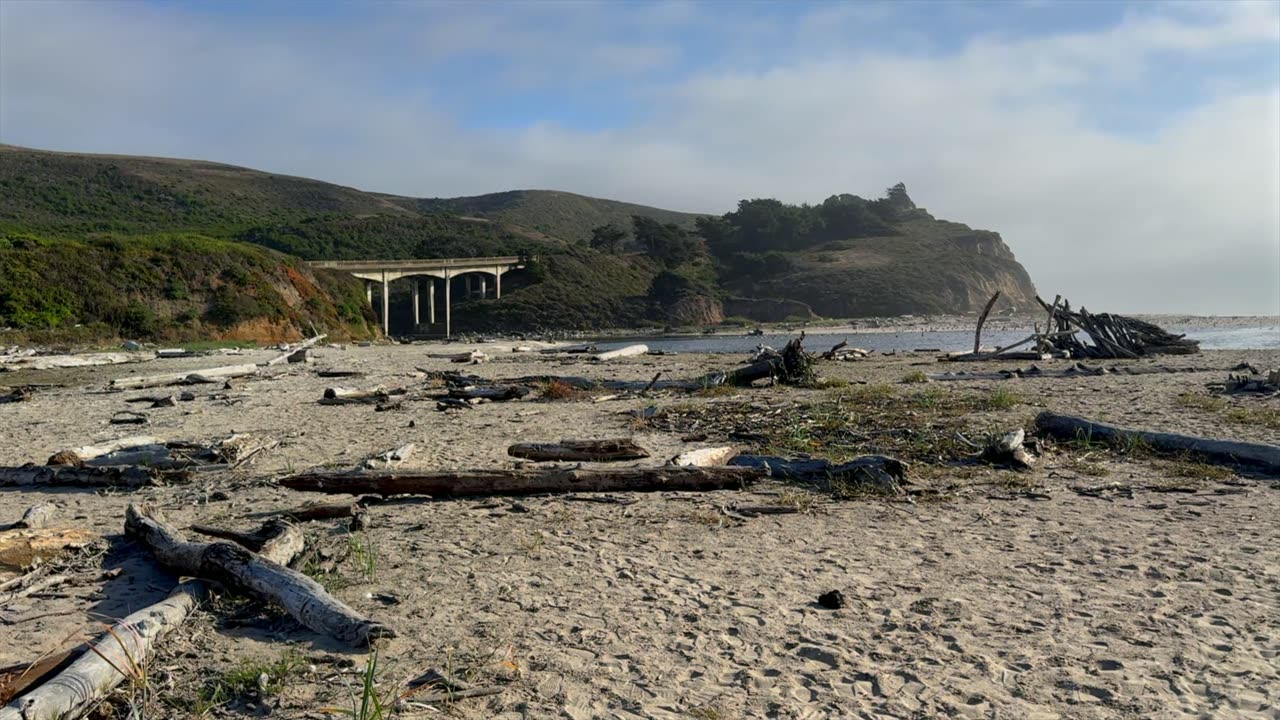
(149, 247)
(170, 286)
(564, 215)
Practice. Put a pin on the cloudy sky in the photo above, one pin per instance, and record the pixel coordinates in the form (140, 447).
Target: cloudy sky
(1128, 153)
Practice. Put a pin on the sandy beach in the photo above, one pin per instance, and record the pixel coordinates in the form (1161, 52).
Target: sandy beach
(1000, 595)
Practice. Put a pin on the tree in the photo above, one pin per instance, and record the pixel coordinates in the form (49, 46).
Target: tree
(668, 244)
(608, 238)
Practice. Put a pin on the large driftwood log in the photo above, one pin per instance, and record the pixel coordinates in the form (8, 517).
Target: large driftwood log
(580, 450)
(345, 396)
(1258, 455)
(184, 378)
(628, 351)
(67, 475)
(78, 455)
(876, 471)
(532, 481)
(277, 540)
(244, 571)
(52, 362)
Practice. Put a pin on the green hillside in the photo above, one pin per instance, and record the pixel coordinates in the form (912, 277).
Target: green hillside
(561, 214)
(103, 245)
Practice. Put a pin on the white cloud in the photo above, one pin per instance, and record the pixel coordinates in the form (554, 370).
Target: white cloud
(1003, 134)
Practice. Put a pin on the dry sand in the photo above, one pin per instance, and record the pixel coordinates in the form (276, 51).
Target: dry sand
(1158, 605)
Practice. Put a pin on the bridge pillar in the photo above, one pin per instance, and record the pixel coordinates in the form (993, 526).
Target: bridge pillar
(448, 293)
(431, 301)
(368, 293)
(483, 289)
(497, 284)
(415, 290)
(386, 305)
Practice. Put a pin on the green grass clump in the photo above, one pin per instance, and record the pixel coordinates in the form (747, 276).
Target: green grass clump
(915, 376)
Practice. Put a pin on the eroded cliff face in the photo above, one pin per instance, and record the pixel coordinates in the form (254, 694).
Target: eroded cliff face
(935, 267)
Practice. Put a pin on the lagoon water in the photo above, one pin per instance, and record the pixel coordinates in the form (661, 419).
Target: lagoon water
(1265, 337)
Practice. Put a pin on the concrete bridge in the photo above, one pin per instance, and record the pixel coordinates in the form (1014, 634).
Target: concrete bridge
(474, 272)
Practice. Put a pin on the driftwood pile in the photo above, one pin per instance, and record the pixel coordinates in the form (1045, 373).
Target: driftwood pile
(1252, 382)
(1113, 336)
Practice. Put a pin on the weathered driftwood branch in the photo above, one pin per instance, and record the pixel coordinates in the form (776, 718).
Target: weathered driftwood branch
(982, 319)
(184, 378)
(580, 450)
(390, 458)
(15, 679)
(246, 572)
(277, 540)
(331, 511)
(1258, 455)
(126, 648)
(302, 346)
(530, 481)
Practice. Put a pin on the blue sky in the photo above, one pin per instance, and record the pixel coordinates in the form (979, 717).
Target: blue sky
(1146, 131)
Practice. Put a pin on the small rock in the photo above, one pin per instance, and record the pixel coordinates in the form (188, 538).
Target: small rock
(833, 600)
(131, 345)
(218, 496)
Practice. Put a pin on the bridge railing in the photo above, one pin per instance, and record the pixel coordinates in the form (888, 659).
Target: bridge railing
(424, 263)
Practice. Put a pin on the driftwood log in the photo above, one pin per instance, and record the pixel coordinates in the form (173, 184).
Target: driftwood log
(884, 474)
(628, 351)
(300, 347)
(129, 644)
(793, 366)
(580, 451)
(1258, 455)
(184, 378)
(127, 476)
(532, 481)
(246, 572)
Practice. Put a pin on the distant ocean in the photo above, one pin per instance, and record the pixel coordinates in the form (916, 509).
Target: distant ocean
(1234, 338)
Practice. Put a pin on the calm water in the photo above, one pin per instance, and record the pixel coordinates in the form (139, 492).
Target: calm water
(1247, 338)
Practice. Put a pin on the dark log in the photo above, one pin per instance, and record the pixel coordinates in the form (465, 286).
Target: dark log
(1258, 455)
(580, 451)
(332, 511)
(496, 393)
(127, 476)
(253, 575)
(877, 471)
(529, 481)
(982, 319)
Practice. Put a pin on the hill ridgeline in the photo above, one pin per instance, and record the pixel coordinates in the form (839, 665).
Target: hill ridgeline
(100, 246)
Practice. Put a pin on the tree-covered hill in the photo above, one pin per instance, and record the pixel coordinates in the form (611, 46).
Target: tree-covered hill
(120, 245)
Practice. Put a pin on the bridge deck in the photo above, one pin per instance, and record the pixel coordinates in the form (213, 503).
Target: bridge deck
(411, 265)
